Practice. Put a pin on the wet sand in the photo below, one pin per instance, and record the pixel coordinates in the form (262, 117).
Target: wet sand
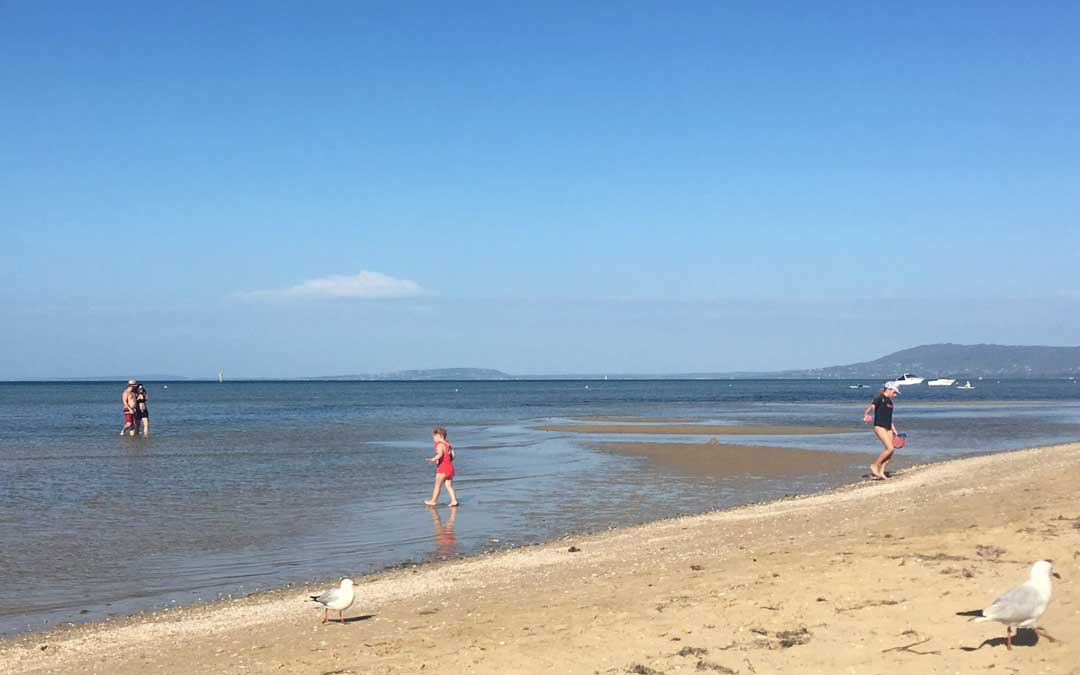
(862, 579)
(631, 419)
(694, 429)
(716, 458)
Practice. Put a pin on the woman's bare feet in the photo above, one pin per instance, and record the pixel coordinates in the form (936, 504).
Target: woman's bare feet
(453, 504)
(875, 471)
(429, 503)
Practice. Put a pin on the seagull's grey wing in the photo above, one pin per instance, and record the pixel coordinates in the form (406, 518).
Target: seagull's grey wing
(1016, 605)
(328, 597)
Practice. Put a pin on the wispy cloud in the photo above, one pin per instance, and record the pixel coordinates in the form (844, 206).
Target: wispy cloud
(365, 286)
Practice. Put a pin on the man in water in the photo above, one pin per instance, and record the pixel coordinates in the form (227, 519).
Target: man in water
(128, 401)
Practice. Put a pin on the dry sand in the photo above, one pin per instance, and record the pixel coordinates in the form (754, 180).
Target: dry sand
(864, 579)
(694, 429)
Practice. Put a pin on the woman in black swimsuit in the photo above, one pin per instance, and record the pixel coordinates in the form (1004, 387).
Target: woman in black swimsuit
(884, 429)
(142, 413)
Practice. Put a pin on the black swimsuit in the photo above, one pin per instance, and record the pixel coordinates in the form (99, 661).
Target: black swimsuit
(883, 411)
(141, 409)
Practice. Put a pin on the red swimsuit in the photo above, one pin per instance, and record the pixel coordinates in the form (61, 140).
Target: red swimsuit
(446, 465)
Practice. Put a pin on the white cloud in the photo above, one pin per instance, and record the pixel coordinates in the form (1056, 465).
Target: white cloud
(365, 285)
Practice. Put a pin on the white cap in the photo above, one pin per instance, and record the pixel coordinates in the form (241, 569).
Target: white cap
(893, 385)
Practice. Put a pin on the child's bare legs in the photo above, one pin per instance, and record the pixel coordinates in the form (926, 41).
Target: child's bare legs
(439, 480)
(878, 467)
(450, 491)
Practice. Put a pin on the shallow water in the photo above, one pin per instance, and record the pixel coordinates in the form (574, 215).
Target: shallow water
(247, 485)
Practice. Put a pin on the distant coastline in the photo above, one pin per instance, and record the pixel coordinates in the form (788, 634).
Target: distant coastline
(937, 360)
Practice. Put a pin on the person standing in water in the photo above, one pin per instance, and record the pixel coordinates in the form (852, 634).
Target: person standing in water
(884, 429)
(444, 467)
(127, 399)
(142, 413)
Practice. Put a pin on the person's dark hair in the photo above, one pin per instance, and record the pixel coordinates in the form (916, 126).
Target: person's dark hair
(441, 431)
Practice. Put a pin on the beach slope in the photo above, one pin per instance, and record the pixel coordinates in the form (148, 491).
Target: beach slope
(865, 579)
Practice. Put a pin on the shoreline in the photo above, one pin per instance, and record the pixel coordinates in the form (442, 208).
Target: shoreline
(742, 463)
(604, 579)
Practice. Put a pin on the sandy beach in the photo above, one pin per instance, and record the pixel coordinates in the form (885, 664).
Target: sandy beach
(863, 579)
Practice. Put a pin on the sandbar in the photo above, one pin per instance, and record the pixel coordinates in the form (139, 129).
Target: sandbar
(729, 460)
(695, 429)
(631, 419)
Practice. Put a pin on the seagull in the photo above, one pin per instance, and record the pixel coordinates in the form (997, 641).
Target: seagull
(1023, 605)
(339, 599)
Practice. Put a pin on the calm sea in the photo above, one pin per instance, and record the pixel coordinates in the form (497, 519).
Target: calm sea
(249, 485)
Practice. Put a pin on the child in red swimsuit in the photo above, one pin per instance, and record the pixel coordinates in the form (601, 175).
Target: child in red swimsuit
(444, 466)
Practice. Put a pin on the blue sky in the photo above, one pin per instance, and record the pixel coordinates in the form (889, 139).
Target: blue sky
(283, 190)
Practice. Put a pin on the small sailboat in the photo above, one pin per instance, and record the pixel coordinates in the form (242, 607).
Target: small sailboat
(966, 385)
(220, 377)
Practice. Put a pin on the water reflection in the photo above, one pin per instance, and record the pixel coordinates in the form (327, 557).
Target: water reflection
(445, 541)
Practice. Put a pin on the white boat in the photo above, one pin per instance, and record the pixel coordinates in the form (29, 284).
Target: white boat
(966, 385)
(908, 378)
(941, 382)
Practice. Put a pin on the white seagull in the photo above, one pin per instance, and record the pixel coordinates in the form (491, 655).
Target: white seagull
(1023, 605)
(340, 599)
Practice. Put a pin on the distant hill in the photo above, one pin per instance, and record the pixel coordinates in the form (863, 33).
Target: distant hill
(424, 375)
(939, 360)
(952, 360)
(930, 361)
